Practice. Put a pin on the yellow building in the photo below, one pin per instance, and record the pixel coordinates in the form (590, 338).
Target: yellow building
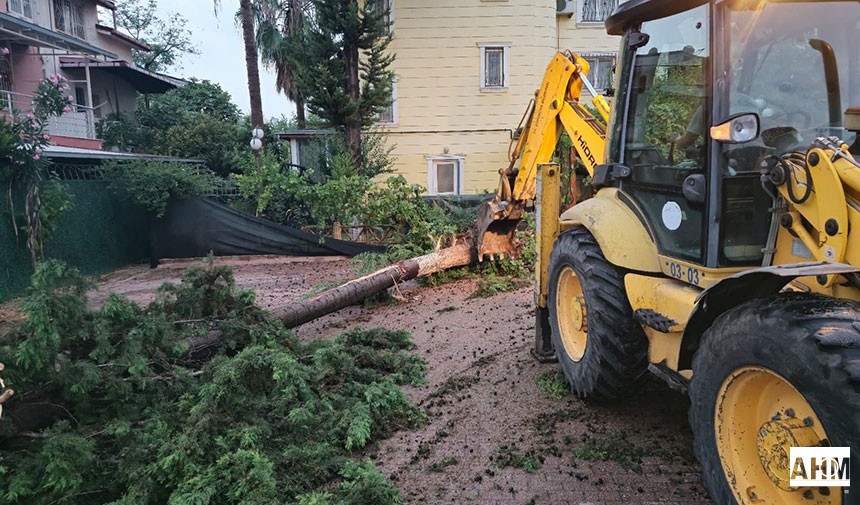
(465, 72)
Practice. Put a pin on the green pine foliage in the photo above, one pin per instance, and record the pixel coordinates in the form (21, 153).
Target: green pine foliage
(137, 419)
(319, 57)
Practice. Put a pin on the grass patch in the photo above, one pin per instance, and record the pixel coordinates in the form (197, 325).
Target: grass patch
(553, 384)
(492, 285)
(511, 456)
(617, 449)
(440, 466)
(447, 276)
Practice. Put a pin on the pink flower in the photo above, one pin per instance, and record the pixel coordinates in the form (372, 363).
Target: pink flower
(38, 150)
(30, 115)
(5, 50)
(71, 98)
(67, 109)
(36, 157)
(46, 137)
(64, 87)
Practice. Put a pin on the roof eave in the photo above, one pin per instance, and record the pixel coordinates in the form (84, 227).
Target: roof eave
(21, 31)
(635, 12)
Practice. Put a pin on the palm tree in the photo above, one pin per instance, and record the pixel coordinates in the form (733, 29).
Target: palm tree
(278, 21)
(246, 15)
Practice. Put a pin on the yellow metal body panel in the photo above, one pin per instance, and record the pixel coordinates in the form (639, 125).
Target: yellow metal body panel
(548, 204)
(694, 274)
(670, 298)
(556, 106)
(622, 237)
(836, 191)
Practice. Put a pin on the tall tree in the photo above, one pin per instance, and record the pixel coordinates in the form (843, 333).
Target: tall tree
(342, 64)
(246, 19)
(279, 21)
(168, 37)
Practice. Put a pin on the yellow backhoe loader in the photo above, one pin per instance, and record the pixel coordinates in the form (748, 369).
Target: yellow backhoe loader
(721, 249)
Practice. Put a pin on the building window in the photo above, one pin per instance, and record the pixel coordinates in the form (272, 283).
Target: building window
(494, 66)
(385, 8)
(69, 18)
(21, 7)
(5, 82)
(595, 11)
(602, 70)
(388, 115)
(445, 175)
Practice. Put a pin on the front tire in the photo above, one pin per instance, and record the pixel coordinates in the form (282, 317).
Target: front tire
(602, 350)
(785, 364)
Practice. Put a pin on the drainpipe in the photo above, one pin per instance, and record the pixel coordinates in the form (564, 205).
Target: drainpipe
(88, 100)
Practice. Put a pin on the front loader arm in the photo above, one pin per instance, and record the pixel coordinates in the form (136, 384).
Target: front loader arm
(556, 108)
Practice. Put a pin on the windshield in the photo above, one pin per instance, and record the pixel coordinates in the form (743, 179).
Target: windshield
(795, 63)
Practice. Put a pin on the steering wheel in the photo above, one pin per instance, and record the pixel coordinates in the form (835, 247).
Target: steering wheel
(791, 115)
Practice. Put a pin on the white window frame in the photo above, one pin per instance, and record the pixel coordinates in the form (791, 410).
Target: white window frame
(432, 182)
(22, 4)
(394, 111)
(591, 57)
(506, 50)
(390, 15)
(580, 12)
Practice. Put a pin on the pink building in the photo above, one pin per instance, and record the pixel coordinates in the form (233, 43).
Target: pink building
(72, 38)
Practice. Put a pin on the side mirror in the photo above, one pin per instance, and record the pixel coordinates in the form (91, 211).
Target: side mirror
(737, 129)
(694, 188)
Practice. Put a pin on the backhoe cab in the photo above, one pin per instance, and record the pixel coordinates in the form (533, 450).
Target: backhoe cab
(720, 250)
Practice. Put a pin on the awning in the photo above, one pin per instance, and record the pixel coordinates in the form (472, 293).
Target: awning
(19, 31)
(77, 153)
(142, 80)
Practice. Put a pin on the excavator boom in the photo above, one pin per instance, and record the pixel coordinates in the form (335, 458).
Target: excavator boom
(556, 108)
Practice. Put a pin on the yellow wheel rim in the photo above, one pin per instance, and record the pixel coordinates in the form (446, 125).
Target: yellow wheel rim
(571, 313)
(759, 416)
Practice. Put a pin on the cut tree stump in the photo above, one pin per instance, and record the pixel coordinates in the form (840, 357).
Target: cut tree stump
(357, 290)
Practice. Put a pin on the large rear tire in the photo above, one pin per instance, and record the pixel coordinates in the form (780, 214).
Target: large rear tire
(602, 350)
(785, 364)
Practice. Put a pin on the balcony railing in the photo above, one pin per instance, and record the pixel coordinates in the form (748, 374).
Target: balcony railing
(596, 11)
(80, 123)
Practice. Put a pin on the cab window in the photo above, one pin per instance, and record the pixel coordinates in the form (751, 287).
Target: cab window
(666, 129)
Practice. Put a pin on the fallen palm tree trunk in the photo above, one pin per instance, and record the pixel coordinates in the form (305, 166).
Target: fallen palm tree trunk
(357, 290)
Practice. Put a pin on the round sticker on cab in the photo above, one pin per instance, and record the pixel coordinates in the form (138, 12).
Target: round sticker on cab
(672, 215)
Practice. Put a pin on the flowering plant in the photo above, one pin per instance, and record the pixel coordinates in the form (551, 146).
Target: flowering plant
(28, 166)
(51, 97)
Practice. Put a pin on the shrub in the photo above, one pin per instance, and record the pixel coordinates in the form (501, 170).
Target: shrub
(152, 184)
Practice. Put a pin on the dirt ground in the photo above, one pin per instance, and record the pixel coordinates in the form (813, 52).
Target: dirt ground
(493, 435)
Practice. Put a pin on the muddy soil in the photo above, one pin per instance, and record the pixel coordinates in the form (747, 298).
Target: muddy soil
(493, 435)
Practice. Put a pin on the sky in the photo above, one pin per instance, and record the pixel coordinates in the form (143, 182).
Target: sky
(222, 54)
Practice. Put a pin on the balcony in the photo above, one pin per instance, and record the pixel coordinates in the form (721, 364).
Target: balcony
(596, 11)
(73, 129)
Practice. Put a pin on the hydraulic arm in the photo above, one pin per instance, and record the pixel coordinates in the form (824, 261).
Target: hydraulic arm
(556, 108)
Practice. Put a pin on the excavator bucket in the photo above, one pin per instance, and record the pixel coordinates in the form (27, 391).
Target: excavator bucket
(495, 230)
